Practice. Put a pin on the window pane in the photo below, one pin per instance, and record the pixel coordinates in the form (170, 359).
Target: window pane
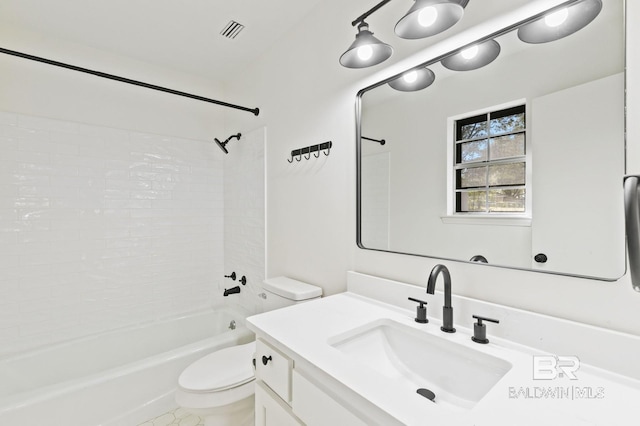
(472, 151)
(471, 128)
(472, 201)
(512, 122)
(471, 177)
(506, 146)
(506, 174)
(473, 131)
(507, 200)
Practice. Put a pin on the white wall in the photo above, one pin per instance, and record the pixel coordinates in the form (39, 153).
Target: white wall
(306, 97)
(633, 88)
(38, 89)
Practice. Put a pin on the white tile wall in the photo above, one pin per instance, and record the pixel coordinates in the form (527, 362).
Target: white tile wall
(244, 213)
(103, 227)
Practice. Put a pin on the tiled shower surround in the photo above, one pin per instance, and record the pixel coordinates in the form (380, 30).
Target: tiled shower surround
(102, 228)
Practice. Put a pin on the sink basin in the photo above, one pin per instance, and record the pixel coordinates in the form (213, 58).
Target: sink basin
(458, 375)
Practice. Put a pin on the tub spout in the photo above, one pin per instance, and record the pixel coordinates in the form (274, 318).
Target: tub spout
(232, 290)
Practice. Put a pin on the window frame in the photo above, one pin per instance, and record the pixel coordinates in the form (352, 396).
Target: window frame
(498, 218)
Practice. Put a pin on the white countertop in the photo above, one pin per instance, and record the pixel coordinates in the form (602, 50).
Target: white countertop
(596, 397)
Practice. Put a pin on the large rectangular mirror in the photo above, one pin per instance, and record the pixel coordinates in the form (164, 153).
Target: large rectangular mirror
(519, 162)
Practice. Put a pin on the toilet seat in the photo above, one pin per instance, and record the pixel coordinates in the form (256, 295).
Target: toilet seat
(224, 369)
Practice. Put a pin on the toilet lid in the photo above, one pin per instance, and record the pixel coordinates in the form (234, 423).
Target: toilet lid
(223, 369)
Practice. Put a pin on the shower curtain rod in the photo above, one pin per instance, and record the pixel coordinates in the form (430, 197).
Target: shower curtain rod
(255, 111)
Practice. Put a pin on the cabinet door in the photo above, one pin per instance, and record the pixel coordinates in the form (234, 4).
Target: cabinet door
(274, 369)
(271, 410)
(317, 408)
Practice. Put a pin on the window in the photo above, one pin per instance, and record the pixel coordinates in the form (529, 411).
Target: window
(490, 163)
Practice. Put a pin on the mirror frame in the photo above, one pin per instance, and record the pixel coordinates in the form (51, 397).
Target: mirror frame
(498, 33)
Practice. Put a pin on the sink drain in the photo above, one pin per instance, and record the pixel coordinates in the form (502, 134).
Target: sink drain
(427, 394)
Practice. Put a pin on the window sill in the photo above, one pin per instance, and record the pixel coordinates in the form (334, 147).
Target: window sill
(473, 219)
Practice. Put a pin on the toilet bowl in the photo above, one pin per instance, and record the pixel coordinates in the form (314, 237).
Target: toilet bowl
(220, 386)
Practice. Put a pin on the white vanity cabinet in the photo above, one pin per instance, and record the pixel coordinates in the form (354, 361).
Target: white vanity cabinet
(317, 408)
(285, 397)
(273, 387)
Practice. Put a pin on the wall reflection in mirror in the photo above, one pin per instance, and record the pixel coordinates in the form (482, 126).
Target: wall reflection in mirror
(510, 149)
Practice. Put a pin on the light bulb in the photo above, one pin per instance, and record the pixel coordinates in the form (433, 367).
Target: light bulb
(410, 76)
(470, 52)
(365, 52)
(557, 18)
(427, 16)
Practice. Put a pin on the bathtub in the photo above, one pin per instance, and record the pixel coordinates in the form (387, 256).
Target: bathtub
(117, 378)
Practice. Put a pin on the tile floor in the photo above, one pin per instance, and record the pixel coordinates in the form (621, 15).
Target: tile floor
(177, 417)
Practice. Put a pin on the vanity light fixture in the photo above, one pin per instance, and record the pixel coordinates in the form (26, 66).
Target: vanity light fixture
(429, 17)
(424, 19)
(366, 50)
(413, 80)
(473, 57)
(561, 22)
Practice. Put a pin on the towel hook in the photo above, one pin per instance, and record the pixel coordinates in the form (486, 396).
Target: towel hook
(318, 150)
(299, 156)
(328, 149)
(305, 157)
(290, 161)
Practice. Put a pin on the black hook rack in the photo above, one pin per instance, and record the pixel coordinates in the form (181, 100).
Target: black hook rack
(325, 147)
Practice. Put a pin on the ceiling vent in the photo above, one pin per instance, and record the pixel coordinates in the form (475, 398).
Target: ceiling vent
(232, 29)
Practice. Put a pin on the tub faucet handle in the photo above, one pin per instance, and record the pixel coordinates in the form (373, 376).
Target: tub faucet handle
(232, 276)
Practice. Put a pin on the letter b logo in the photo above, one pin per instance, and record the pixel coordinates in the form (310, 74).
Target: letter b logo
(549, 367)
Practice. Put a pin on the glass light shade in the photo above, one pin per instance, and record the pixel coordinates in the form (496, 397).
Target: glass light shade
(429, 17)
(466, 60)
(560, 23)
(366, 50)
(413, 80)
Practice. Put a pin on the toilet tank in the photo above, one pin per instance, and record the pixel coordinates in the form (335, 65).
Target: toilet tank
(283, 291)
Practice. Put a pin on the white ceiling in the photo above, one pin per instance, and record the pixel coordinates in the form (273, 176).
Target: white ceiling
(179, 34)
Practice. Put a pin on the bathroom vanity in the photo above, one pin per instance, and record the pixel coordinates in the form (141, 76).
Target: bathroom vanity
(359, 358)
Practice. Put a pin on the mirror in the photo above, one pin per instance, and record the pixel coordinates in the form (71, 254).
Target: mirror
(520, 161)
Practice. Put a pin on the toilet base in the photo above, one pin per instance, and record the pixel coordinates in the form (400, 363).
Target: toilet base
(240, 413)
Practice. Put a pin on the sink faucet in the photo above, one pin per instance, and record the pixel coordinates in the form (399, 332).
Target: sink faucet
(447, 309)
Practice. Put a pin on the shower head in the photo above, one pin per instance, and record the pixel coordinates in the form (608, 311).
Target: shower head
(223, 144)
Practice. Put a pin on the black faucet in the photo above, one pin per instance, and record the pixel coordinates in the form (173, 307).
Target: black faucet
(232, 290)
(447, 309)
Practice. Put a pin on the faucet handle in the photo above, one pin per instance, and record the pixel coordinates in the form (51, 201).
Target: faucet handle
(480, 329)
(421, 311)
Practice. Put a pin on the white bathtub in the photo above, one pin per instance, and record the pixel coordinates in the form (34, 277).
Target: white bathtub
(116, 378)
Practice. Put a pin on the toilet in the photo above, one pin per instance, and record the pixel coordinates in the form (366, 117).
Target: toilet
(220, 386)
